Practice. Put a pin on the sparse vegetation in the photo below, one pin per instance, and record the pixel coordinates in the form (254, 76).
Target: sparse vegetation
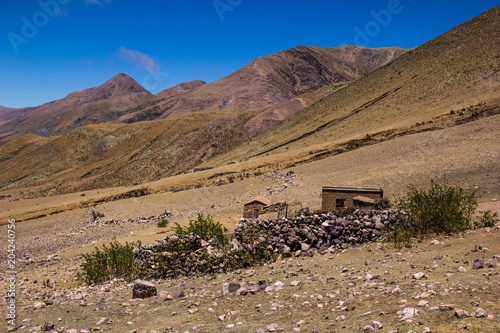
(162, 223)
(439, 209)
(96, 214)
(115, 261)
(487, 220)
(205, 227)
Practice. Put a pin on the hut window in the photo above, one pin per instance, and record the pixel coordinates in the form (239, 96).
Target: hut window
(340, 203)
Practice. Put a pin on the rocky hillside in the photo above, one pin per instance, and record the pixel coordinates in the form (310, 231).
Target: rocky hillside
(273, 79)
(449, 73)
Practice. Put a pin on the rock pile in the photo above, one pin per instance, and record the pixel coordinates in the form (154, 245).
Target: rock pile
(305, 235)
(259, 240)
(98, 222)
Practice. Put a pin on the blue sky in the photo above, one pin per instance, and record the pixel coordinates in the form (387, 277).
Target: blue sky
(49, 48)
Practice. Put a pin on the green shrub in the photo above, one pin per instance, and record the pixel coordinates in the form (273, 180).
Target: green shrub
(439, 209)
(291, 172)
(96, 214)
(115, 261)
(205, 227)
(162, 223)
(256, 252)
(487, 220)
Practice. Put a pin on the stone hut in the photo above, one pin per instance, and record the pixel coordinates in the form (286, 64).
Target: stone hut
(255, 207)
(333, 197)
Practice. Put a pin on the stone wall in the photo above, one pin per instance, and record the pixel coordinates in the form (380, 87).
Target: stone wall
(189, 255)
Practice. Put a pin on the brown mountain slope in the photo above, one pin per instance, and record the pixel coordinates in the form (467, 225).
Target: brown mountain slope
(272, 79)
(112, 154)
(106, 102)
(455, 70)
(180, 89)
(7, 114)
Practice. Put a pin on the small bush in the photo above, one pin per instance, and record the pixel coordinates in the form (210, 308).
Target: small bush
(439, 209)
(96, 214)
(291, 172)
(487, 220)
(256, 250)
(162, 223)
(205, 227)
(115, 261)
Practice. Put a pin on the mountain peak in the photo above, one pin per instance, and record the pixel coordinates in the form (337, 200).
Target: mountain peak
(121, 84)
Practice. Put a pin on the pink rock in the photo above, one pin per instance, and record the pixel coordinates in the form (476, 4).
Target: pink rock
(423, 303)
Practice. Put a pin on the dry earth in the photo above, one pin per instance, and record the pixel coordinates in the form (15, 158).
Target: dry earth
(392, 165)
(344, 291)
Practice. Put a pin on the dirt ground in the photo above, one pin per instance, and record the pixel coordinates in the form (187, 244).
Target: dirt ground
(307, 301)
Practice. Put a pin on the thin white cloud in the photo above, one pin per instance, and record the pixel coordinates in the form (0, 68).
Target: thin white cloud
(139, 58)
(95, 2)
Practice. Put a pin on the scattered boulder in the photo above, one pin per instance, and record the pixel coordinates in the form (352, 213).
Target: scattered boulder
(480, 313)
(143, 289)
(478, 264)
(461, 314)
(179, 293)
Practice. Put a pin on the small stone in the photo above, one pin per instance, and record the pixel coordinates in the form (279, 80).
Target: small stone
(462, 269)
(47, 327)
(102, 321)
(340, 318)
(423, 303)
(477, 264)
(480, 313)
(230, 326)
(179, 293)
(418, 276)
(368, 328)
(272, 328)
(377, 325)
(435, 242)
(461, 314)
(409, 313)
(437, 258)
(426, 330)
(396, 291)
(222, 317)
(39, 305)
